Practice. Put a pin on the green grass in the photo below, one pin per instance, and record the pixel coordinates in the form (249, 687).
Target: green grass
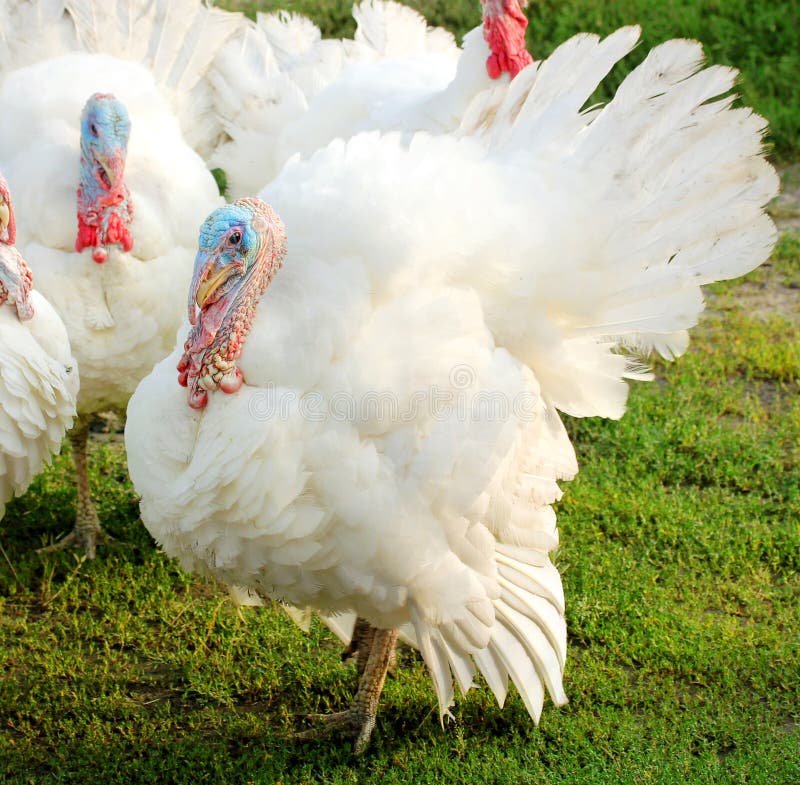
(759, 37)
(681, 563)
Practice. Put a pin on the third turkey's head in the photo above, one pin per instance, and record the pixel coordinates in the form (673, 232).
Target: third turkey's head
(105, 210)
(16, 280)
(504, 24)
(241, 247)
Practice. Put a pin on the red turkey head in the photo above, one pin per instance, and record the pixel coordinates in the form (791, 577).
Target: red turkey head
(504, 26)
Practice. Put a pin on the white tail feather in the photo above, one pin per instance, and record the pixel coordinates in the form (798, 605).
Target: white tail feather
(528, 638)
(435, 656)
(462, 667)
(539, 650)
(668, 186)
(515, 658)
(495, 673)
(176, 39)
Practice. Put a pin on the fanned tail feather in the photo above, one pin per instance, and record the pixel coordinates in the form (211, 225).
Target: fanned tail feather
(176, 39)
(527, 644)
(642, 201)
(527, 637)
(282, 89)
(394, 30)
(667, 187)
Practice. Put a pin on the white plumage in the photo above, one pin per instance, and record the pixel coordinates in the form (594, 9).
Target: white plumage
(282, 90)
(175, 40)
(38, 390)
(121, 316)
(471, 285)
(154, 56)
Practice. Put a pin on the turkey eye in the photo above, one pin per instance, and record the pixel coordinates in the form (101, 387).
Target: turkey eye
(235, 238)
(93, 129)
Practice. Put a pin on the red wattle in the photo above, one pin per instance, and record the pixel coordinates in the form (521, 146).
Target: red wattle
(231, 385)
(118, 233)
(87, 235)
(198, 399)
(90, 221)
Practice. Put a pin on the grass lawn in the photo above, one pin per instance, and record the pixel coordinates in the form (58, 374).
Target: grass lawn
(680, 557)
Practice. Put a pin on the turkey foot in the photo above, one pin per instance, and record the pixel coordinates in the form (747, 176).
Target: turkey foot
(87, 534)
(359, 719)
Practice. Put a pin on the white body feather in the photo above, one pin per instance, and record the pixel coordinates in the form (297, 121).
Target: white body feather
(121, 316)
(282, 90)
(467, 286)
(38, 390)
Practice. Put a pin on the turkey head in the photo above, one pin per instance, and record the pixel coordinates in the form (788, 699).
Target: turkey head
(241, 247)
(16, 280)
(105, 210)
(504, 25)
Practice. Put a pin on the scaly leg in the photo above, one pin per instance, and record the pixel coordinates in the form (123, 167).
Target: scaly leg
(87, 534)
(359, 719)
(360, 645)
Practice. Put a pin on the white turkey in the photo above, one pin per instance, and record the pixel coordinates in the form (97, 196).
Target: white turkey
(280, 89)
(38, 375)
(107, 189)
(376, 431)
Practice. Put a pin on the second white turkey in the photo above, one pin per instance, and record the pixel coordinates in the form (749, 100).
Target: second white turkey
(109, 194)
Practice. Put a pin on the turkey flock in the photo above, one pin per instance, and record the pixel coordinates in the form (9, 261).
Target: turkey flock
(418, 223)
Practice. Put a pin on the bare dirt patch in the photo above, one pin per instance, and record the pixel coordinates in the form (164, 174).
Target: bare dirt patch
(768, 297)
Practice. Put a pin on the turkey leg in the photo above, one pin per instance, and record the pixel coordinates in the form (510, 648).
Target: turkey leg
(87, 534)
(359, 719)
(360, 644)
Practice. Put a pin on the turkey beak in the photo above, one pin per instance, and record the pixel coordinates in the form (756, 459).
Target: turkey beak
(211, 271)
(8, 231)
(208, 285)
(114, 167)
